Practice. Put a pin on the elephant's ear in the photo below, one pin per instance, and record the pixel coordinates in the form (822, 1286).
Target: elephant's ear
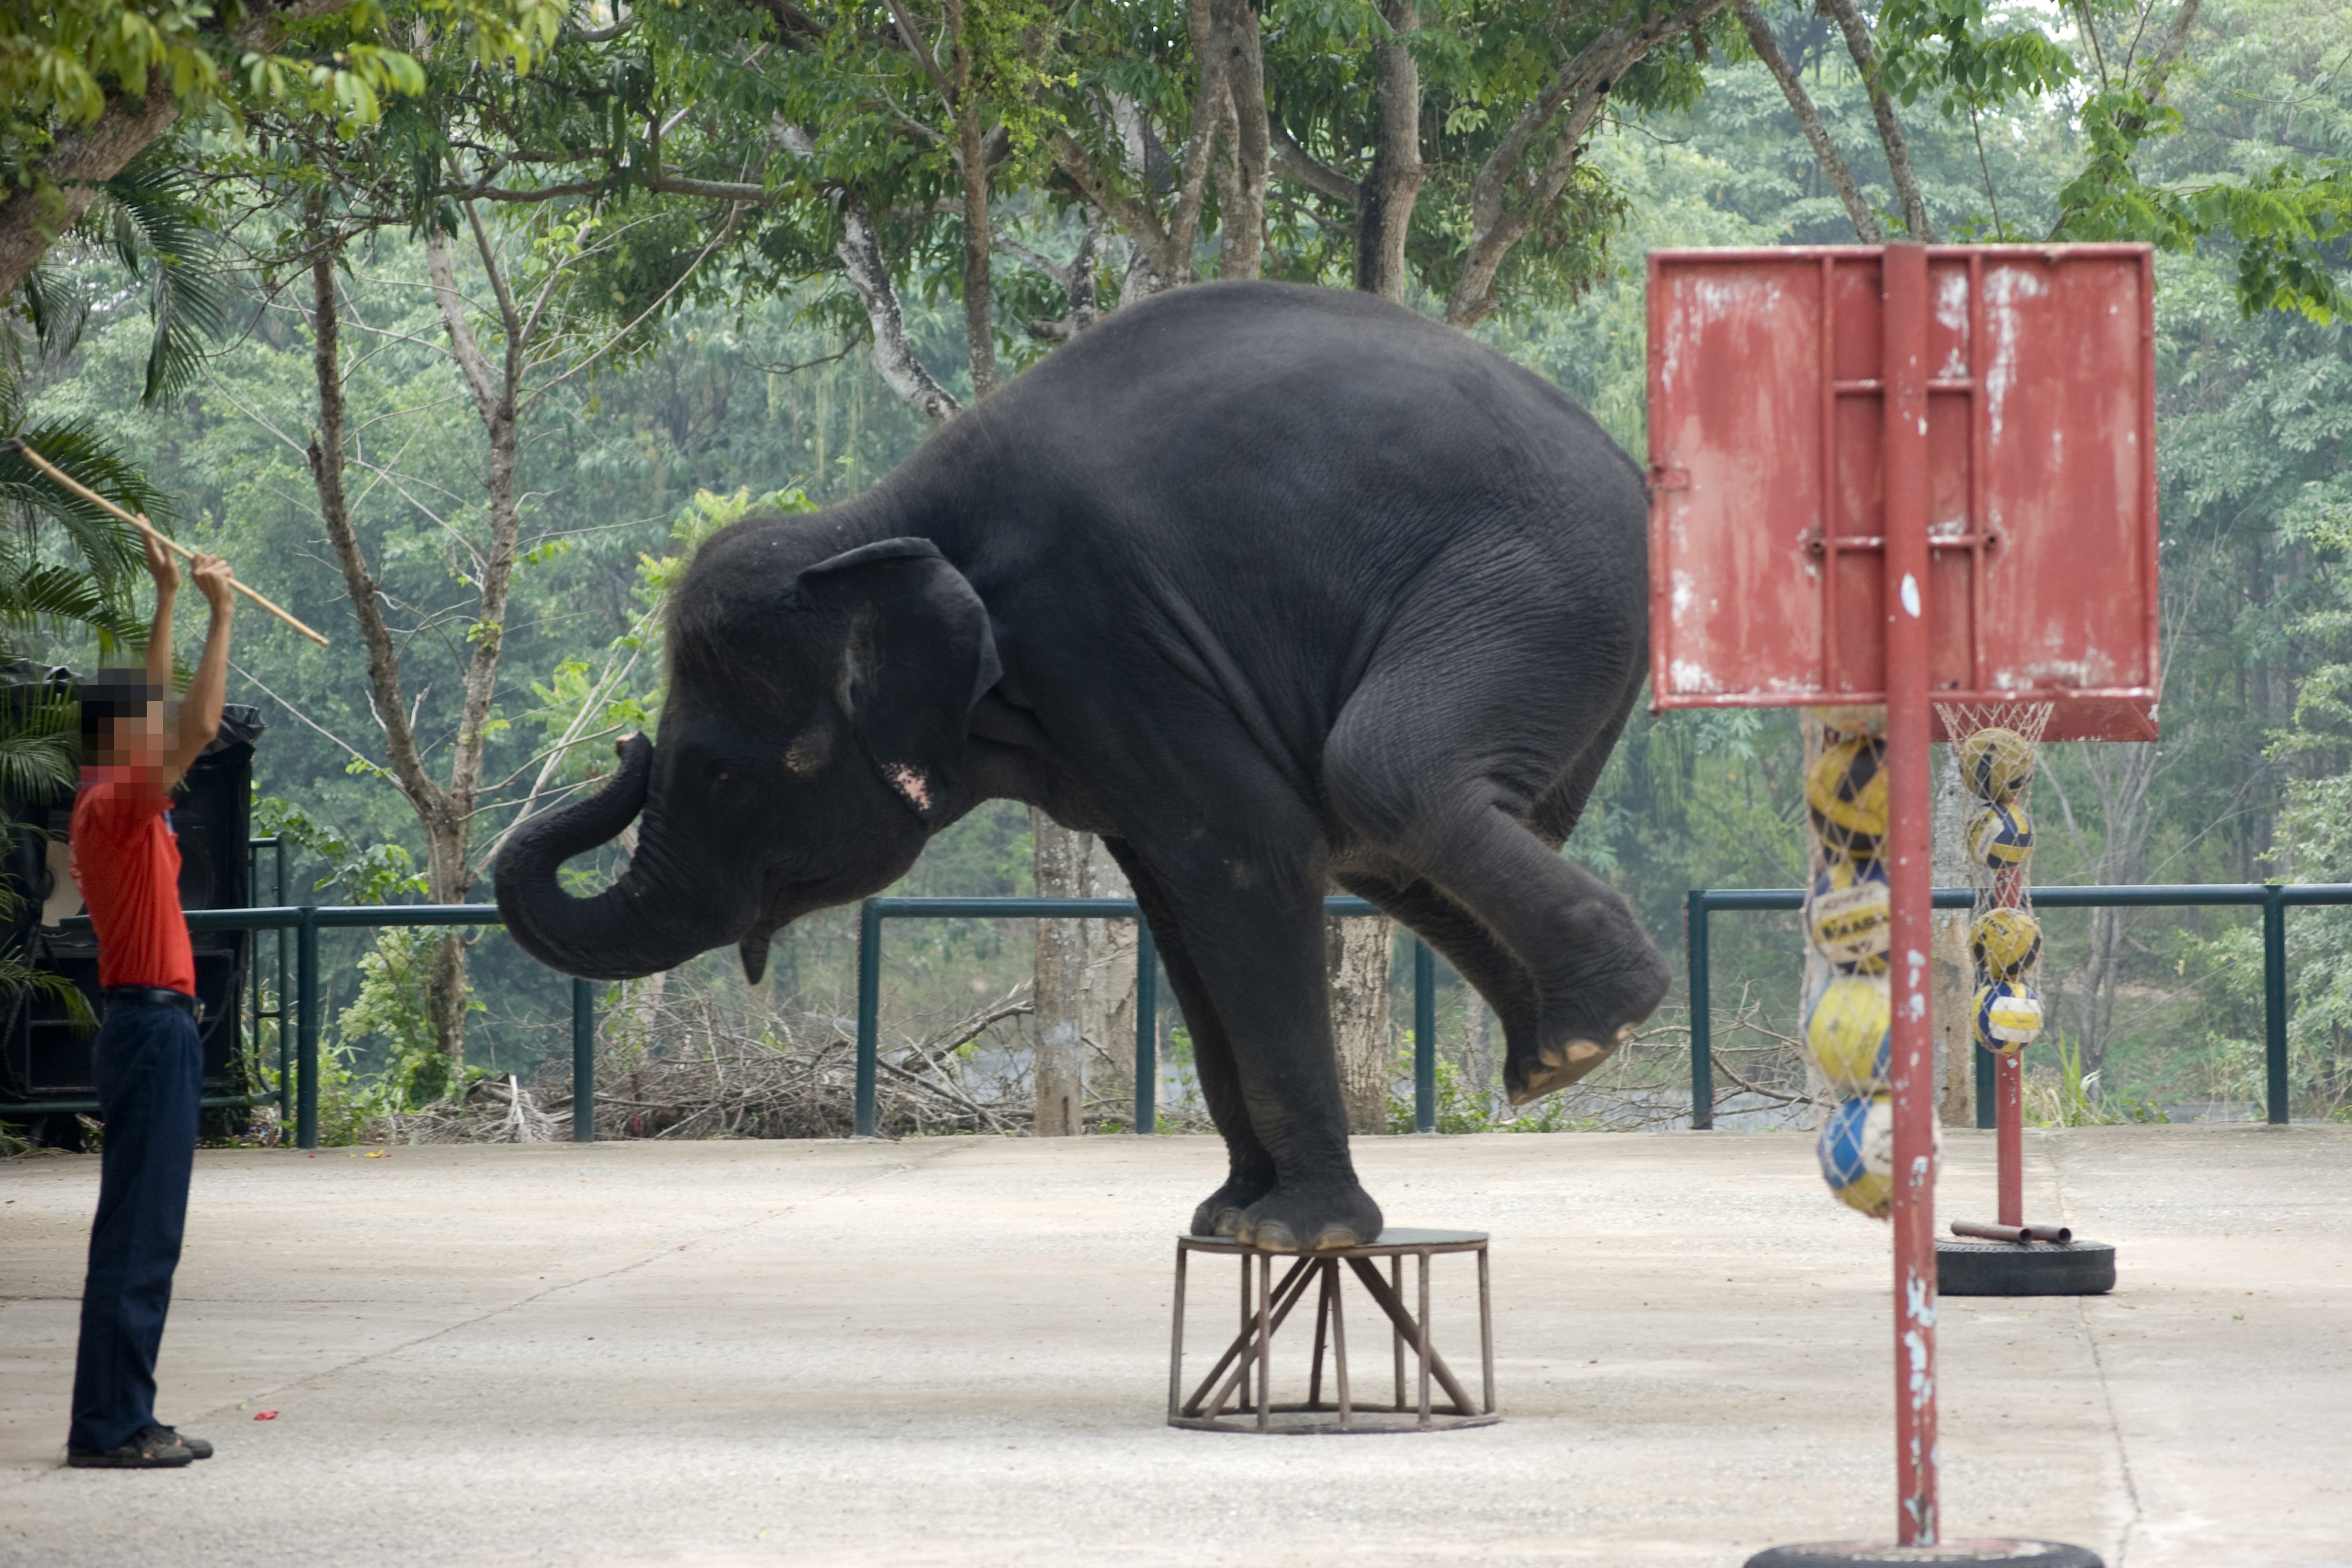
(917, 655)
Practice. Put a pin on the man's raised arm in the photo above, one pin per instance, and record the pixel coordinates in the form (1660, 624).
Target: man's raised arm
(200, 711)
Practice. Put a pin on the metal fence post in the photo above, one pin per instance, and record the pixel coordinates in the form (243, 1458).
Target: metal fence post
(1702, 1012)
(1147, 1029)
(584, 1062)
(306, 1023)
(1425, 1037)
(2274, 998)
(869, 1010)
(285, 1046)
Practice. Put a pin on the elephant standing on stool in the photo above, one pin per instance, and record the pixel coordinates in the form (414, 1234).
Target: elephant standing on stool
(1269, 586)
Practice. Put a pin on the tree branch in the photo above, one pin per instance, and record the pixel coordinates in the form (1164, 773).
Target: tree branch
(1582, 87)
(1303, 166)
(1809, 119)
(326, 457)
(1890, 126)
(894, 355)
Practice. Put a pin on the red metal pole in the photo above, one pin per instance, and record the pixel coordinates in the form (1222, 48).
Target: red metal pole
(1904, 377)
(2009, 1136)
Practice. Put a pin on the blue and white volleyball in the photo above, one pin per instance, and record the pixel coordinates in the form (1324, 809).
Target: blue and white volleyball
(1847, 1032)
(1848, 917)
(2008, 1016)
(1857, 1153)
(2000, 836)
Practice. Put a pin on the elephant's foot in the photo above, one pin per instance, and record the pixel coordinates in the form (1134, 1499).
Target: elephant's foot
(1321, 1217)
(1220, 1214)
(1559, 1063)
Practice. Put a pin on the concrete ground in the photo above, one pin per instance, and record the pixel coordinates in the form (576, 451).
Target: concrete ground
(953, 1352)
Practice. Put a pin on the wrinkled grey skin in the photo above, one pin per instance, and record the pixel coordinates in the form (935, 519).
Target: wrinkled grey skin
(1270, 588)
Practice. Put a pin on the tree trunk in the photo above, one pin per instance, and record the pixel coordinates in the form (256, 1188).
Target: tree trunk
(979, 309)
(82, 160)
(1479, 1053)
(445, 984)
(1107, 1007)
(1953, 972)
(1357, 954)
(1059, 1060)
(1385, 201)
(1241, 178)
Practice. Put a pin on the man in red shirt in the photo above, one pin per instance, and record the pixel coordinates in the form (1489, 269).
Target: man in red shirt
(149, 1068)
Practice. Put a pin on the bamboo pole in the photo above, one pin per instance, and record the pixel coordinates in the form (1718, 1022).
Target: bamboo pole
(150, 531)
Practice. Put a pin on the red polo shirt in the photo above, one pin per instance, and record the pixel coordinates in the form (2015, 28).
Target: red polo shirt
(127, 863)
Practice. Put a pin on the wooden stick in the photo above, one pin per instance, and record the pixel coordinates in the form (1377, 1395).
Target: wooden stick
(150, 530)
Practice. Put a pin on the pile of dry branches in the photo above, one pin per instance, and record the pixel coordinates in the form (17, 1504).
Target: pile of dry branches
(679, 1061)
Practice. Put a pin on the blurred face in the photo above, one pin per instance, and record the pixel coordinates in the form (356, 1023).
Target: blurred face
(141, 741)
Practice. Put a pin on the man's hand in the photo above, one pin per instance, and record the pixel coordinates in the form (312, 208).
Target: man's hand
(213, 579)
(160, 565)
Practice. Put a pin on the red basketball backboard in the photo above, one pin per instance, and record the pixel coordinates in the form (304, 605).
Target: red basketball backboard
(1765, 557)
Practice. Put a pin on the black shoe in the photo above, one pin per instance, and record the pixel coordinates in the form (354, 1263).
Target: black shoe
(197, 1448)
(156, 1449)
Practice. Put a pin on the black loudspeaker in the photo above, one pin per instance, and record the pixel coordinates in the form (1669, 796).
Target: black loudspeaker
(44, 1054)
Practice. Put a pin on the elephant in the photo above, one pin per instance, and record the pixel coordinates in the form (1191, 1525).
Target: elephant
(1271, 587)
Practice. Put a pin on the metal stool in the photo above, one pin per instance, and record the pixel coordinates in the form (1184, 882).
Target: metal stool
(1223, 1402)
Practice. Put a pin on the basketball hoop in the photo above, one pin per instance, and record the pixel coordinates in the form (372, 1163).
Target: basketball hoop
(1910, 479)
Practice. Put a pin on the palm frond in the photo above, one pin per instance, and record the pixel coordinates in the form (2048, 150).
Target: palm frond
(40, 745)
(47, 596)
(110, 550)
(158, 229)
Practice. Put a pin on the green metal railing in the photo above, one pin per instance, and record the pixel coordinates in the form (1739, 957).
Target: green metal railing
(306, 921)
(300, 1070)
(874, 912)
(2274, 899)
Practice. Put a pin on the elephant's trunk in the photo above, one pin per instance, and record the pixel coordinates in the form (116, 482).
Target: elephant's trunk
(633, 927)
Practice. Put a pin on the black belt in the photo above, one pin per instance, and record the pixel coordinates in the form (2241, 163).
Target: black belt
(150, 996)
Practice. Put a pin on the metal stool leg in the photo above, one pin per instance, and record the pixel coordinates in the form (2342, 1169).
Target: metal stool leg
(1396, 1290)
(1322, 1322)
(1486, 1331)
(1423, 1348)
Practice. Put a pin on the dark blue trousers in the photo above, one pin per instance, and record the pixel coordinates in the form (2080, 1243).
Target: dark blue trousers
(150, 1076)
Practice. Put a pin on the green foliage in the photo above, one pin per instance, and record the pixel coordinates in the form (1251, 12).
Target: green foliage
(2065, 1096)
(62, 64)
(1976, 57)
(2289, 222)
(373, 873)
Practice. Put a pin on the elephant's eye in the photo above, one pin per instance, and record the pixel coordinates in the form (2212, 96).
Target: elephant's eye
(722, 776)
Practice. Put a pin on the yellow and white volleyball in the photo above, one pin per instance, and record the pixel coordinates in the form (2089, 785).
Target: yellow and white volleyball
(1846, 795)
(1857, 1155)
(2008, 1016)
(1846, 1032)
(1996, 763)
(2000, 836)
(2005, 942)
(1848, 917)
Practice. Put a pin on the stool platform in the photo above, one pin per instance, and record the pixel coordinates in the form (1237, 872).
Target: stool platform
(1224, 1402)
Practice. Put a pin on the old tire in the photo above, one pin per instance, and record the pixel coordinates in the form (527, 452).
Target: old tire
(2031, 1268)
(1954, 1554)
